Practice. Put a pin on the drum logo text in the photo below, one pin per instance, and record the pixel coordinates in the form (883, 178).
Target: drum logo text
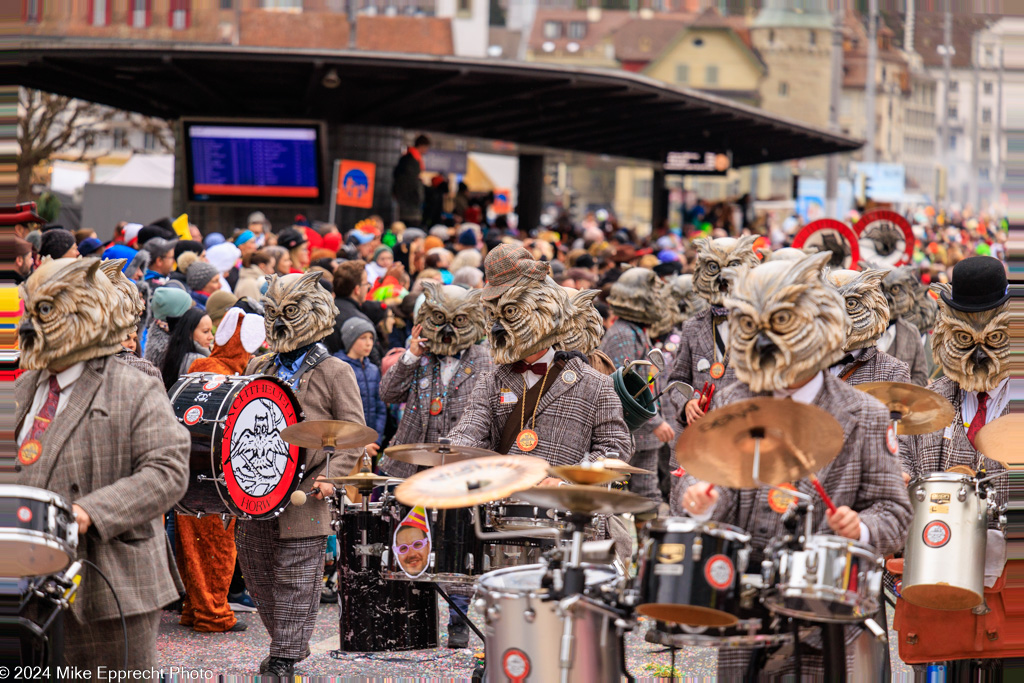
(671, 553)
(936, 534)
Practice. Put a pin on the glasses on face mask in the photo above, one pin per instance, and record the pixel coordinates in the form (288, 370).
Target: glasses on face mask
(415, 545)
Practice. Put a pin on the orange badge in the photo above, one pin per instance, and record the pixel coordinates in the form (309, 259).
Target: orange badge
(29, 452)
(779, 501)
(717, 370)
(527, 440)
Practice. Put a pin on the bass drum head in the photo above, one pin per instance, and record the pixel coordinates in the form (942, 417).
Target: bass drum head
(260, 470)
(940, 596)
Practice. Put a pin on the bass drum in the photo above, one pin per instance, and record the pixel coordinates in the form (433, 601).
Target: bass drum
(239, 465)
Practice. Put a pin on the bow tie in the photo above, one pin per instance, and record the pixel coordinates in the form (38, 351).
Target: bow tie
(522, 366)
(719, 311)
(848, 358)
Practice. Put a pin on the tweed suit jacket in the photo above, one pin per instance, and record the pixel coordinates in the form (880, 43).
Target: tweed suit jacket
(628, 340)
(698, 344)
(933, 452)
(325, 392)
(402, 384)
(140, 364)
(877, 367)
(908, 348)
(864, 476)
(117, 451)
(578, 420)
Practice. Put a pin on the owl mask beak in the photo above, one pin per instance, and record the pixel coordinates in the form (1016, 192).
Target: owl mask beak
(280, 327)
(498, 330)
(764, 346)
(27, 333)
(979, 356)
(447, 334)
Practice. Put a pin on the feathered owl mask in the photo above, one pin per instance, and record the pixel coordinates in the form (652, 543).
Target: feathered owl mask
(451, 316)
(639, 296)
(972, 348)
(297, 311)
(865, 305)
(585, 327)
(125, 317)
(925, 310)
(528, 317)
(785, 322)
(72, 314)
(714, 256)
(900, 285)
(687, 300)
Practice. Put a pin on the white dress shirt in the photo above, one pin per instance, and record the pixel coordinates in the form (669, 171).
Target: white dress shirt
(448, 365)
(887, 338)
(997, 400)
(66, 380)
(530, 377)
(836, 369)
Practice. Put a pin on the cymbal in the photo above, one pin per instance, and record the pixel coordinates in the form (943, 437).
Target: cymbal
(923, 411)
(363, 481)
(434, 454)
(472, 482)
(581, 474)
(686, 614)
(797, 440)
(327, 433)
(621, 466)
(586, 500)
(1001, 439)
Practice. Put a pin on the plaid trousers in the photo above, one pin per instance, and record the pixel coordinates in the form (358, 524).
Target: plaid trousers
(284, 577)
(646, 485)
(101, 643)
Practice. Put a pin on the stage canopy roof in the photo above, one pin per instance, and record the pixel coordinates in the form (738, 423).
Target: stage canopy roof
(534, 105)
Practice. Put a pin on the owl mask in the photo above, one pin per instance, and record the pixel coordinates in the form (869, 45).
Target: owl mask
(298, 311)
(451, 317)
(925, 309)
(528, 317)
(785, 322)
(639, 296)
(687, 301)
(900, 285)
(714, 256)
(865, 305)
(972, 348)
(124, 317)
(585, 327)
(72, 314)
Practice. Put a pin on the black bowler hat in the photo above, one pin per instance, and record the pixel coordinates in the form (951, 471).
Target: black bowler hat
(979, 284)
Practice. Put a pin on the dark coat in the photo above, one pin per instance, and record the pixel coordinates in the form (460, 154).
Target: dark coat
(368, 379)
(407, 188)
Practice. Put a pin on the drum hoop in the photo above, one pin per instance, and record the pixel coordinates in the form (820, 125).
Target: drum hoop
(839, 543)
(506, 591)
(8, 491)
(943, 478)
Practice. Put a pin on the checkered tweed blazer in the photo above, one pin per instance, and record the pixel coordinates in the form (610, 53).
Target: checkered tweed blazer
(140, 364)
(401, 384)
(697, 344)
(628, 340)
(864, 476)
(933, 452)
(908, 348)
(877, 367)
(117, 451)
(576, 421)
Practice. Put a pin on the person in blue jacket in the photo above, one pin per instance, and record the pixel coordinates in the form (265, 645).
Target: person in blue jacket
(357, 336)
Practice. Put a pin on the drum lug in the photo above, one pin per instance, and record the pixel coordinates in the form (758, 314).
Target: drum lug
(961, 494)
(469, 562)
(529, 616)
(698, 547)
(919, 493)
(742, 560)
(216, 480)
(480, 605)
(493, 613)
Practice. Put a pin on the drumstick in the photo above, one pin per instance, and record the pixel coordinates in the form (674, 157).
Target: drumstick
(824, 496)
(711, 487)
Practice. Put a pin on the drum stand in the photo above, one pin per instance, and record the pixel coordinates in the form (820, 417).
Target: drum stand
(43, 643)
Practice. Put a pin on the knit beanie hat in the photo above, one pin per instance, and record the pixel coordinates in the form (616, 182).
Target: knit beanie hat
(56, 243)
(187, 245)
(223, 256)
(170, 302)
(381, 250)
(219, 303)
(186, 260)
(199, 275)
(353, 329)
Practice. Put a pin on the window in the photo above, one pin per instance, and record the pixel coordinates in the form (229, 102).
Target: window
(120, 138)
(149, 141)
(642, 188)
(952, 142)
(226, 4)
(178, 18)
(281, 4)
(698, 42)
(552, 29)
(986, 114)
(783, 89)
(954, 86)
(987, 87)
(577, 30)
(464, 8)
(138, 16)
(682, 73)
(985, 144)
(99, 13)
(990, 54)
(32, 11)
(951, 112)
(812, 36)
(711, 75)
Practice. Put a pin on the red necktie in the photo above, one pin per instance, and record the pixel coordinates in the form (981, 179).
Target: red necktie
(979, 417)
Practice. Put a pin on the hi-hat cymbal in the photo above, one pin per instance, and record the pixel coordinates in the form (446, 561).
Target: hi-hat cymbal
(922, 410)
(581, 474)
(435, 454)
(796, 440)
(327, 433)
(586, 500)
(1001, 439)
(472, 482)
(363, 481)
(621, 466)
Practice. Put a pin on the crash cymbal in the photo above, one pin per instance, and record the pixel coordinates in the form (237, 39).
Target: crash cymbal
(472, 482)
(922, 411)
(797, 439)
(587, 473)
(1001, 439)
(327, 433)
(686, 614)
(621, 466)
(363, 481)
(963, 469)
(435, 454)
(586, 500)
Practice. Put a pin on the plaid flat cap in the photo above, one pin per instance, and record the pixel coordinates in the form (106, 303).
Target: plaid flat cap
(506, 264)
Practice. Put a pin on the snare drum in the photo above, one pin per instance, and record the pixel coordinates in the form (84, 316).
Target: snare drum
(38, 533)
(944, 559)
(523, 629)
(376, 615)
(831, 580)
(240, 466)
(523, 519)
(698, 565)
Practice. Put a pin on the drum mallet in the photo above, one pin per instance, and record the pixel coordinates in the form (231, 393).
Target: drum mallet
(824, 496)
